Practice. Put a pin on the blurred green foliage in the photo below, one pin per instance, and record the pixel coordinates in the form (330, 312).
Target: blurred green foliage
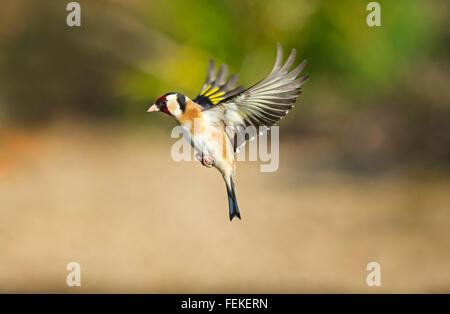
(377, 93)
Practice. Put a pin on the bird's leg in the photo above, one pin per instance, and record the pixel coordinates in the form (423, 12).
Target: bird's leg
(205, 159)
(208, 161)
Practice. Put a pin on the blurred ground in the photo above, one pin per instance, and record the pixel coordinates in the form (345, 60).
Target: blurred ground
(138, 222)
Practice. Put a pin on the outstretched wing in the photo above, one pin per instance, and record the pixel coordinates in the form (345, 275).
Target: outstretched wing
(217, 88)
(263, 104)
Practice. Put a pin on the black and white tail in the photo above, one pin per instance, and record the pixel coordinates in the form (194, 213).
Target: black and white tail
(232, 202)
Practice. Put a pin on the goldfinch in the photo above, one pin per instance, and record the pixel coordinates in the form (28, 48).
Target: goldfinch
(214, 121)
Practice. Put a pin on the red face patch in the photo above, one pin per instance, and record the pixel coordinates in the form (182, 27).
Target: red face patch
(161, 99)
(165, 110)
(162, 104)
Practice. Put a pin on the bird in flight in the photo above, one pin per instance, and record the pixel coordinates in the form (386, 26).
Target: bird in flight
(223, 117)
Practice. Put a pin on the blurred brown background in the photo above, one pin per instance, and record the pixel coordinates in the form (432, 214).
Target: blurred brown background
(86, 175)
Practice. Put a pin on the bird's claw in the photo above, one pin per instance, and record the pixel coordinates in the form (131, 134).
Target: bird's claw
(206, 160)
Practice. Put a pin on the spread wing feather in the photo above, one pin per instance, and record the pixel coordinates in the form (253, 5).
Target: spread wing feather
(217, 88)
(263, 104)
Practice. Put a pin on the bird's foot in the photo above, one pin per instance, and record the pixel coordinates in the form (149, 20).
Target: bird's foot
(206, 160)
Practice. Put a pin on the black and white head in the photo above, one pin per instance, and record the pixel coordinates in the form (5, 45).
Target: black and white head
(173, 104)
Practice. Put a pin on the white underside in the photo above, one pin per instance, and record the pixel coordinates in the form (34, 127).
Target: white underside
(206, 144)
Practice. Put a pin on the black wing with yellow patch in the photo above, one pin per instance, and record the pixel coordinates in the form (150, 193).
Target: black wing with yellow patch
(265, 103)
(217, 88)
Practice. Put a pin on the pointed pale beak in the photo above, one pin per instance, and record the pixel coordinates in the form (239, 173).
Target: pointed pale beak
(153, 108)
